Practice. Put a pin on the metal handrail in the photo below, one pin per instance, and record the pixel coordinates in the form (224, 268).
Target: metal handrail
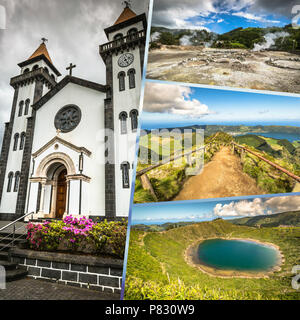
(14, 222)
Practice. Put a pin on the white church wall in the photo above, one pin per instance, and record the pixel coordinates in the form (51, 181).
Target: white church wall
(34, 189)
(74, 190)
(126, 100)
(89, 134)
(14, 163)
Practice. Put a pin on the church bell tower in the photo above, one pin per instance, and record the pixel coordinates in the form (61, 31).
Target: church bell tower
(124, 59)
(37, 76)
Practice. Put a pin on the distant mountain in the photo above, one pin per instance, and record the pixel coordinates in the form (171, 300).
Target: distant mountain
(273, 220)
(162, 227)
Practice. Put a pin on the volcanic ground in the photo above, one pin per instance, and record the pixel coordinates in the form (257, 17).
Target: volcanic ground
(260, 70)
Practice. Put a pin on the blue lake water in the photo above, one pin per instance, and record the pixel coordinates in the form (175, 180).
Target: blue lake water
(276, 135)
(240, 255)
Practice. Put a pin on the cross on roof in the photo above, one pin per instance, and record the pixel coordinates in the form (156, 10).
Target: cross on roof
(44, 40)
(71, 67)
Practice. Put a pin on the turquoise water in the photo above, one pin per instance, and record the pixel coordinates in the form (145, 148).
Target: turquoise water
(240, 255)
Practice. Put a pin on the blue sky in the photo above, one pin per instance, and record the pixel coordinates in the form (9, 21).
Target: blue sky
(224, 22)
(164, 104)
(205, 210)
(221, 15)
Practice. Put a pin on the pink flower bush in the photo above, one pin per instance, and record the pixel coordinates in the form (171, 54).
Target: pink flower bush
(75, 235)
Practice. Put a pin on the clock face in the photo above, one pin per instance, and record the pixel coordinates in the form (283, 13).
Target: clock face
(126, 60)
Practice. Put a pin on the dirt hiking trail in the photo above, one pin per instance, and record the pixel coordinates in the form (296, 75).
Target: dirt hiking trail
(222, 177)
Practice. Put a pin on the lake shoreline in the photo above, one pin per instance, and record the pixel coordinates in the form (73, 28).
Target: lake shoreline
(192, 259)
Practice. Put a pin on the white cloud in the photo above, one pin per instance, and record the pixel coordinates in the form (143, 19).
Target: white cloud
(253, 17)
(284, 204)
(257, 207)
(173, 99)
(240, 208)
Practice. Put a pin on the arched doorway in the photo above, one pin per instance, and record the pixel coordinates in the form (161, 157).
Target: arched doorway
(61, 194)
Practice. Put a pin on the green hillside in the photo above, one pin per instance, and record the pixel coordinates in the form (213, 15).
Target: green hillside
(158, 270)
(239, 38)
(273, 220)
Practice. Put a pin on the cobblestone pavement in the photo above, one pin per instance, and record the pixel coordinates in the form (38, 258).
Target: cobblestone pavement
(30, 289)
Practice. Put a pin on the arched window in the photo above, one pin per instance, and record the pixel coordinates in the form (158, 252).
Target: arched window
(16, 141)
(52, 76)
(36, 66)
(17, 181)
(132, 33)
(121, 77)
(125, 166)
(131, 75)
(46, 69)
(134, 119)
(10, 179)
(21, 104)
(27, 103)
(22, 142)
(123, 119)
(26, 70)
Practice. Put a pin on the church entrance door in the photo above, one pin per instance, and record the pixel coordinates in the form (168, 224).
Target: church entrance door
(61, 196)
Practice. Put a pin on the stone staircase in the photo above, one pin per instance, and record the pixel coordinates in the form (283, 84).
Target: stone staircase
(13, 270)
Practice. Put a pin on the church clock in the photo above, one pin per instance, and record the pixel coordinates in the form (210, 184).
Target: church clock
(126, 60)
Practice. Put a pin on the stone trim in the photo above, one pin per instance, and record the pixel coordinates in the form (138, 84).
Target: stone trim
(54, 158)
(92, 272)
(65, 143)
(63, 83)
(38, 58)
(30, 77)
(6, 143)
(80, 177)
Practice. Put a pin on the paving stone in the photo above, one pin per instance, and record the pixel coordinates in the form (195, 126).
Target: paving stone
(30, 289)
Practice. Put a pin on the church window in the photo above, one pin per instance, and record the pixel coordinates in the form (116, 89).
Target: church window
(67, 118)
(121, 77)
(26, 70)
(132, 33)
(17, 181)
(52, 76)
(10, 179)
(27, 103)
(46, 69)
(134, 119)
(118, 38)
(123, 121)
(35, 67)
(22, 142)
(21, 104)
(16, 141)
(131, 75)
(125, 175)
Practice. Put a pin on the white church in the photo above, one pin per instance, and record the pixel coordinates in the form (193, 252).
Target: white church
(69, 146)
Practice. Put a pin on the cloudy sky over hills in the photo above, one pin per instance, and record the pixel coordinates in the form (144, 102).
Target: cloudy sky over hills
(167, 105)
(221, 16)
(205, 210)
(75, 29)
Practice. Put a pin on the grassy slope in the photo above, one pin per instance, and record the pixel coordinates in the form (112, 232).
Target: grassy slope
(166, 251)
(274, 220)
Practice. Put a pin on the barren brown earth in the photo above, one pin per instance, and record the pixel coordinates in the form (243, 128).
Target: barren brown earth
(267, 70)
(222, 177)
